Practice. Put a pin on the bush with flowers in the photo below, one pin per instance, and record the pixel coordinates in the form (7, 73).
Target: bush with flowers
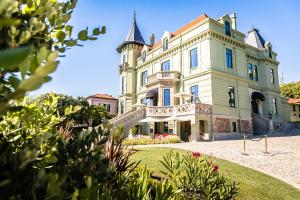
(195, 177)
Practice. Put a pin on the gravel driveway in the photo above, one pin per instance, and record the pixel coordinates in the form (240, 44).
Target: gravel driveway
(282, 161)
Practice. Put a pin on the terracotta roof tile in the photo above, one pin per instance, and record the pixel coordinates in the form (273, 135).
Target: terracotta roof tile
(294, 101)
(103, 96)
(182, 29)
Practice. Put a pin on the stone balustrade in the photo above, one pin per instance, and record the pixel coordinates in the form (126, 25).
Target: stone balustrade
(178, 110)
(163, 76)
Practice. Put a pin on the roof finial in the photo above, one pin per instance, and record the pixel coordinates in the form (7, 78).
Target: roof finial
(134, 16)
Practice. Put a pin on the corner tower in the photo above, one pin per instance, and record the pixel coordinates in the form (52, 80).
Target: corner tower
(129, 51)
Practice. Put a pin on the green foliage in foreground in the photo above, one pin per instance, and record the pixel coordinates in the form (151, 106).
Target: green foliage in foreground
(143, 141)
(33, 33)
(253, 185)
(290, 90)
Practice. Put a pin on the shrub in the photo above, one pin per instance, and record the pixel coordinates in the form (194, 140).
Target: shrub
(195, 177)
(145, 140)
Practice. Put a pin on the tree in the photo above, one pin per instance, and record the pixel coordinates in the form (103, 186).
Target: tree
(290, 90)
(33, 34)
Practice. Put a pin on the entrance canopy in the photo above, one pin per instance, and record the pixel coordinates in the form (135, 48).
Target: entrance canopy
(257, 95)
(152, 93)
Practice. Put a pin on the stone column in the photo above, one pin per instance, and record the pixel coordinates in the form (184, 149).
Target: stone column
(195, 128)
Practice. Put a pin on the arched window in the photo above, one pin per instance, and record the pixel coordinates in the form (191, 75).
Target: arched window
(233, 126)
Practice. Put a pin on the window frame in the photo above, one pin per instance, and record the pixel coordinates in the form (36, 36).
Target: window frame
(250, 71)
(194, 97)
(231, 99)
(229, 58)
(167, 101)
(162, 64)
(275, 106)
(123, 85)
(165, 44)
(144, 53)
(166, 127)
(195, 50)
(234, 127)
(255, 73)
(144, 77)
(272, 74)
(227, 28)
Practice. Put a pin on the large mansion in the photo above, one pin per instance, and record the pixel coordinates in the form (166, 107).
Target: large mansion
(206, 79)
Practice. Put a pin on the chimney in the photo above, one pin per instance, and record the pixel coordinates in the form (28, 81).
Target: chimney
(233, 20)
(152, 39)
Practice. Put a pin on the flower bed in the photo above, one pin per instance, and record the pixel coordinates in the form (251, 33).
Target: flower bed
(159, 139)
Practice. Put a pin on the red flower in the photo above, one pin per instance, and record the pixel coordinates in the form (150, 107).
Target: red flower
(215, 168)
(196, 154)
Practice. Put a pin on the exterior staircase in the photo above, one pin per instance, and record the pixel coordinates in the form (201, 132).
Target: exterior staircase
(128, 119)
(260, 124)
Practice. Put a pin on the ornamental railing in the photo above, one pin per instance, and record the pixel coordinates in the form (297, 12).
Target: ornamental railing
(162, 111)
(164, 75)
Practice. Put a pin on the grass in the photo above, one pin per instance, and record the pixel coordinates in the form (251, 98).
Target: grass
(253, 185)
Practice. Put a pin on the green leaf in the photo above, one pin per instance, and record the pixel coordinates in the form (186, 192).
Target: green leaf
(32, 83)
(12, 57)
(46, 69)
(96, 31)
(92, 38)
(70, 43)
(42, 54)
(82, 35)
(15, 138)
(103, 30)
(9, 22)
(53, 56)
(60, 35)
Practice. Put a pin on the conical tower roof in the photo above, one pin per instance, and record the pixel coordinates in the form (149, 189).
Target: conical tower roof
(134, 36)
(255, 39)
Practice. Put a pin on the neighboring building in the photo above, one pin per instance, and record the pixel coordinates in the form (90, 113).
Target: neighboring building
(107, 101)
(294, 110)
(206, 77)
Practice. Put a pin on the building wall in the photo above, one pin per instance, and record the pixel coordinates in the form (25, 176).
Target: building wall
(112, 102)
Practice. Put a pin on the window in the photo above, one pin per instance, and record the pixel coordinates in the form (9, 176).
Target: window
(193, 58)
(294, 107)
(123, 85)
(274, 106)
(231, 96)
(124, 58)
(233, 126)
(122, 107)
(229, 58)
(167, 98)
(272, 75)
(250, 71)
(194, 93)
(107, 107)
(144, 78)
(166, 127)
(255, 73)
(144, 101)
(165, 66)
(227, 28)
(270, 52)
(299, 107)
(165, 44)
(144, 56)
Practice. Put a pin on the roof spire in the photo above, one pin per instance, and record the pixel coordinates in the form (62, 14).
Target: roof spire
(134, 16)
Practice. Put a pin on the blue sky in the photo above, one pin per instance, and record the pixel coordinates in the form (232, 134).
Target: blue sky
(94, 68)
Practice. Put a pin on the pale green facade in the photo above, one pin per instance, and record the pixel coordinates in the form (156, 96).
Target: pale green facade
(213, 78)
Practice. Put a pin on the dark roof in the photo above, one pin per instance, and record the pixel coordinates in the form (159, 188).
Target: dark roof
(134, 36)
(255, 39)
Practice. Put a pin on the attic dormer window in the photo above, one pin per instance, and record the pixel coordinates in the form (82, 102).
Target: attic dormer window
(144, 56)
(165, 44)
(270, 52)
(227, 28)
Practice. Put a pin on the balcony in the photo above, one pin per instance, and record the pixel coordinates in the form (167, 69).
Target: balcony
(163, 77)
(178, 110)
(123, 67)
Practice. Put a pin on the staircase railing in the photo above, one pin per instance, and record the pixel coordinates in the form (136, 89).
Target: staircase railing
(129, 119)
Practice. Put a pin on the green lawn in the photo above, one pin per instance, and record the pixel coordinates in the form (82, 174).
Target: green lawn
(253, 184)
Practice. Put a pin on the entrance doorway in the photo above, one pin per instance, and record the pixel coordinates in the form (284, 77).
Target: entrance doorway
(201, 129)
(185, 131)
